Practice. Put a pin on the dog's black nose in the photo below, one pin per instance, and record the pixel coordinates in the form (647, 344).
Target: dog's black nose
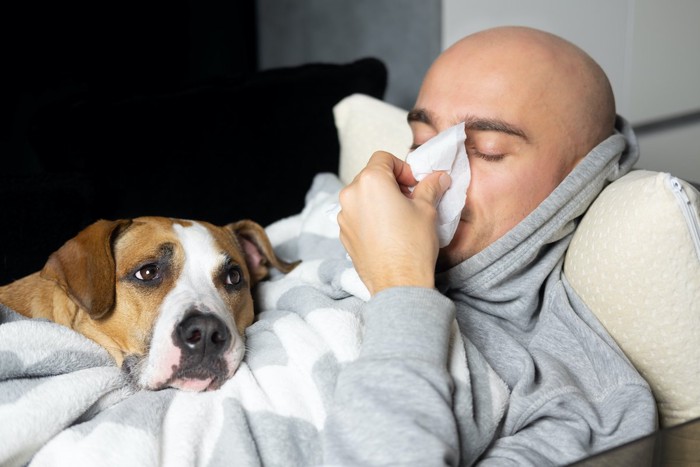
(203, 334)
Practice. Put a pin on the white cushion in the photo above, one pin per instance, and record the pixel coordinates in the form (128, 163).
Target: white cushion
(366, 125)
(632, 260)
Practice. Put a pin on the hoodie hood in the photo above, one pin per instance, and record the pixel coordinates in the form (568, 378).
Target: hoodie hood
(512, 270)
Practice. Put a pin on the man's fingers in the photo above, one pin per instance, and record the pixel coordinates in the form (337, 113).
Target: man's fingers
(432, 187)
(401, 170)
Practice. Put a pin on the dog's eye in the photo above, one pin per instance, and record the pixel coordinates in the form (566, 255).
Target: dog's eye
(148, 272)
(233, 276)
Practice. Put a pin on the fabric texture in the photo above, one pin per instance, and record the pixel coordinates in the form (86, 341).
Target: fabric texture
(635, 261)
(75, 406)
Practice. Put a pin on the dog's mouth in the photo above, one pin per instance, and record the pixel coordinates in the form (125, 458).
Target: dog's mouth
(198, 379)
(203, 375)
(188, 376)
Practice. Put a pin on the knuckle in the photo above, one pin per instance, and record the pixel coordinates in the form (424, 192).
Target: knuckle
(428, 211)
(343, 195)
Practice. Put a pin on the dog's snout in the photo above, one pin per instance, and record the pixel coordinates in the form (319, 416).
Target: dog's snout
(203, 334)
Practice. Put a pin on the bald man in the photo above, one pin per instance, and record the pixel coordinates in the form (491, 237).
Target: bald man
(543, 139)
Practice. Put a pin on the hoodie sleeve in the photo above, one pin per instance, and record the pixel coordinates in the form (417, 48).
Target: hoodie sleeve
(393, 405)
(577, 395)
(568, 428)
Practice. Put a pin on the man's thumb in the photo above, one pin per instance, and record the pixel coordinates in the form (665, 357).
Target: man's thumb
(432, 187)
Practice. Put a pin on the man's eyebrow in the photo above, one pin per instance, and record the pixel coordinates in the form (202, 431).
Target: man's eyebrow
(489, 124)
(472, 123)
(418, 115)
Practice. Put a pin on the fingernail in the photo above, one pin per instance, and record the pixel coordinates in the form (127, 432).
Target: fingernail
(445, 180)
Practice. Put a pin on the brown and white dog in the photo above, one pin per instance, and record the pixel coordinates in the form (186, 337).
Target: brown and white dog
(169, 299)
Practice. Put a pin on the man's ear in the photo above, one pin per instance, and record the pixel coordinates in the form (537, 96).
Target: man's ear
(258, 251)
(84, 267)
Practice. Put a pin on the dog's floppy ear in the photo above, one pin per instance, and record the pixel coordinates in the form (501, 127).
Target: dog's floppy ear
(259, 254)
(84, 267)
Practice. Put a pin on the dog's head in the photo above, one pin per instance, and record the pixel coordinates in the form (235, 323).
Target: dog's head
(169, 299)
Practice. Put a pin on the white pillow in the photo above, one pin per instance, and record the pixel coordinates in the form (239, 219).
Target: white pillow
(365, 125)
(634, 262)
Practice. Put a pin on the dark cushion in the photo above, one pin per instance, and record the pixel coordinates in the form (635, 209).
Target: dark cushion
(39, 213)
(244, 148)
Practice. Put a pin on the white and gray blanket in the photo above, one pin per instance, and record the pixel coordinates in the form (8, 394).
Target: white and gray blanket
(64, 402)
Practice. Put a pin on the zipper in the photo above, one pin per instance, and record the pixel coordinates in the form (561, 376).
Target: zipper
(691, 216)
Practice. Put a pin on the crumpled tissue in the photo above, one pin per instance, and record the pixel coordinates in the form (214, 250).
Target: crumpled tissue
(445, 152)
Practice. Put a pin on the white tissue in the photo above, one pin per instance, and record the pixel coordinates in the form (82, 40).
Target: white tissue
(445, 152)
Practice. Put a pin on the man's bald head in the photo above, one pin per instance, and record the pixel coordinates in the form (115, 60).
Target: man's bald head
(563, 81)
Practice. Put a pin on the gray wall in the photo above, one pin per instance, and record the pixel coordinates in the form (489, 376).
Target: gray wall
(404, 34)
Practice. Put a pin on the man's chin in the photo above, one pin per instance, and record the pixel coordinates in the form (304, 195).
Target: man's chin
(457, 251)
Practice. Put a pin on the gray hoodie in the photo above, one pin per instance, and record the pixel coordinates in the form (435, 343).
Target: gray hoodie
(572, 392)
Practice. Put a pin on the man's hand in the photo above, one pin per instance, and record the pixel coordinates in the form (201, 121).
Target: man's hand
(389, 232)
